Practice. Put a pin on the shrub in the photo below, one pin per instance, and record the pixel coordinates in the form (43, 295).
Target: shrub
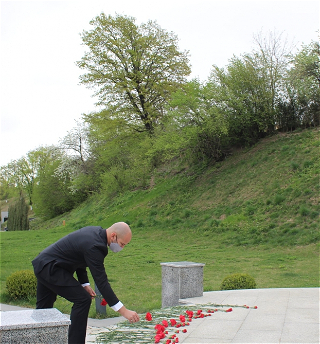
(22, 284)
(238, 281)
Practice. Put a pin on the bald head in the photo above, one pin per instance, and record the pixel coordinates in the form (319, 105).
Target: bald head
(121, 232)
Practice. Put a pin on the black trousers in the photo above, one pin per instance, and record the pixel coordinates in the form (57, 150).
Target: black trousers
(47, 294)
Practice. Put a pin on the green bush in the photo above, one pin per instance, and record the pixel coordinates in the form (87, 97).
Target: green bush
(238, 281)
(22, 284)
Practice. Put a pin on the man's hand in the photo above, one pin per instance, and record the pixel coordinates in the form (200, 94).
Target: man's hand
(90, 291)
(130, 315)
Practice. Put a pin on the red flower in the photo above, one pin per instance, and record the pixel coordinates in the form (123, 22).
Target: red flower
(184, 330)
(173, 322)
(190, 314)
(177, 340)
(168, 341)
(255, 307)
(103, 302)
(199, 311)
(148, 316)
(159, 328)
(157, 338)
(182, 318)
(165, 323)
(229, 310)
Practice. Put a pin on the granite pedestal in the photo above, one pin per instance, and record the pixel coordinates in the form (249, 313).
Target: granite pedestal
(181, 280)
(45, 326)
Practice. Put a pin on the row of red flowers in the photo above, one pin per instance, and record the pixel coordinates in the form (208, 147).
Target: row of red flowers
(184, 320)
(162, 329)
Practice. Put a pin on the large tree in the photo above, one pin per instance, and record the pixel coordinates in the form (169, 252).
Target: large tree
(134, 68)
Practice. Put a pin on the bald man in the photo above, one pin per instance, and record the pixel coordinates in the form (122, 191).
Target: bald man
(54, 268)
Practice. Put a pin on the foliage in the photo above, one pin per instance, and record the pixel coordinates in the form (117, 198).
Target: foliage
(133, 67)
(22, 284)
(18, 215)
(241, 93)
(53, 195)
(153, 120)
(202, 127)
(119, 156)
(238, 281)
(304, 88)
(22, 174)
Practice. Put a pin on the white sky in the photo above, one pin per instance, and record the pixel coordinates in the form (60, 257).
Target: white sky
(40, 93)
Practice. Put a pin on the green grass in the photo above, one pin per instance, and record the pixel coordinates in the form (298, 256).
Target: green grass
(135, 272)
(257, 212)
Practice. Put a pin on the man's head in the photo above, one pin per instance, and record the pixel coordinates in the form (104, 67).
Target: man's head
(119, 233)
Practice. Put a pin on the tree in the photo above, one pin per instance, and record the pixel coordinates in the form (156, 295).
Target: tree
(201, 125)
(134, 68)
(241, 92)
(18, 216)
(304, 85)
(118, 153)
(76, 142)
(53, 193)
(272, 55)
(77, 160)
(22, 173)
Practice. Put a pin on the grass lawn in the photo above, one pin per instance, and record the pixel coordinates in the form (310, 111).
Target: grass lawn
(135, 272)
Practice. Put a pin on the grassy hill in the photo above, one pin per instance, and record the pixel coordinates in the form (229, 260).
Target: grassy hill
(256, 212)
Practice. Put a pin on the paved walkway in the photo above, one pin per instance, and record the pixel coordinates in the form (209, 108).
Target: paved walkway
(283, 316)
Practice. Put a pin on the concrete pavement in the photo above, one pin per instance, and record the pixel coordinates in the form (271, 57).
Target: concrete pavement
(284, 315)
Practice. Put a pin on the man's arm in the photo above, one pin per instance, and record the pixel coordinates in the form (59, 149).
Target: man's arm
(82, 275)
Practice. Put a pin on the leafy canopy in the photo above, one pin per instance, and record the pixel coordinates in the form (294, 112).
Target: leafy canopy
(134, 68)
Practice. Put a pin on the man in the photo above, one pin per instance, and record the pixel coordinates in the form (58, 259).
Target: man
(54, 268)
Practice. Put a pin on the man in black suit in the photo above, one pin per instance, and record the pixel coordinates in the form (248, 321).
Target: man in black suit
(54, 268)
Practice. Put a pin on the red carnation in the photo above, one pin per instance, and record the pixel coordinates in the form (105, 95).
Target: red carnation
(229, 310)
(103, 302)
(165, 323)
(148, 316)
(182, 318)
(159, 328)
(190, 314)
(168, 341)
(157, 338)
(173, 322)
(184, 330)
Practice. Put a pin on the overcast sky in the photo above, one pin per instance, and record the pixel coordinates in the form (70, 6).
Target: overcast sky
(40, 93)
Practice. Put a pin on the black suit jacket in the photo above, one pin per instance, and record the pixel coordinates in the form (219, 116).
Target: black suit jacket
(86, 247)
